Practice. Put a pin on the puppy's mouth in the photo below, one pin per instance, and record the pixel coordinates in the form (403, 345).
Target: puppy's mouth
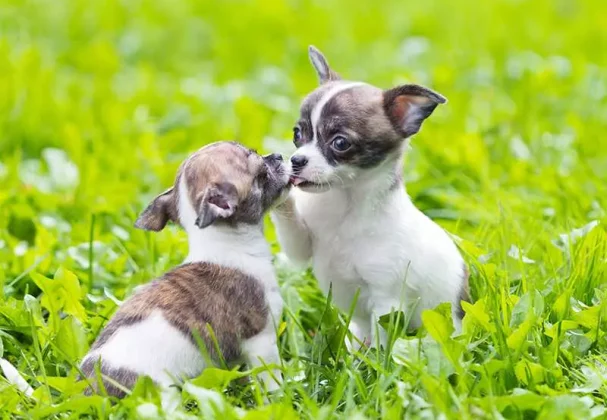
(280, 174)
(301, 182)
(309, 186)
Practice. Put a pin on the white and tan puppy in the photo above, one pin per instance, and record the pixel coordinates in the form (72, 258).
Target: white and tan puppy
(351, 216)
(227, 281)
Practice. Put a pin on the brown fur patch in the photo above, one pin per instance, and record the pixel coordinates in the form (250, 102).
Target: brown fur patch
(195, 295)
(124, 377)
(400, 101)
(157, 214)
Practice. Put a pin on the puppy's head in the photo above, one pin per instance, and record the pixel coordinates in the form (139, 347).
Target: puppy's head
(347, 128)
(223, 182)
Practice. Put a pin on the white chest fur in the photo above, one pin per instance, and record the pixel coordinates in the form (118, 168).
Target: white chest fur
(389, 250)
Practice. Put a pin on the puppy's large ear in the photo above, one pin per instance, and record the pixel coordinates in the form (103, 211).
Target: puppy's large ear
(218, 201)
(162, 209)
(321, 65)
(408, 106)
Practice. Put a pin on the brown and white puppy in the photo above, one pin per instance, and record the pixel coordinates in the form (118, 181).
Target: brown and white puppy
(227, 283)
(351, 216)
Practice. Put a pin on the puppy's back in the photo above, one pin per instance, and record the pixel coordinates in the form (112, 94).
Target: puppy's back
(166, 315)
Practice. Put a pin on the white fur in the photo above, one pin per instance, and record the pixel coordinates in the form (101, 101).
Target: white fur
(152, 347)
(263, 350)
(367, 236)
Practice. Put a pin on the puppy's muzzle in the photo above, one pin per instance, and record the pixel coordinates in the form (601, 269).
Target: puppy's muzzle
(274, 161)
(298, 162)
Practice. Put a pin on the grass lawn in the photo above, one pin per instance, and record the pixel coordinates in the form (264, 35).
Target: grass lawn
(100, 102)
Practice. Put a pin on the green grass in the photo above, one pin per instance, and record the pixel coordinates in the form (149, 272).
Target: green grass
(100, 101)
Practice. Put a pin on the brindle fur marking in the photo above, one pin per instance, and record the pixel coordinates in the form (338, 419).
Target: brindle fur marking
(233, 305)
(125, 377)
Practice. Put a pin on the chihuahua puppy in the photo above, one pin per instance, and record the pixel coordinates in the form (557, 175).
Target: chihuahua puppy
(224, 301)
(351, 215)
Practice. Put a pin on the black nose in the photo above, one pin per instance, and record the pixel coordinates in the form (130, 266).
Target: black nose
(298, 162)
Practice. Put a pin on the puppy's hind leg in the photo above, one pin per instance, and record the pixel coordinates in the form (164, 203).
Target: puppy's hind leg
(262, 350)
(360, 330)
(170, 398)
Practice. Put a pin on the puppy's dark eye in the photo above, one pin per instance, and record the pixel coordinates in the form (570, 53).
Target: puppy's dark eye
(297, 136)
(340, 144)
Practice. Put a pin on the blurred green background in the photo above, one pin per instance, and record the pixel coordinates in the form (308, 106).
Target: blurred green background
(126, 89)
(101, 100)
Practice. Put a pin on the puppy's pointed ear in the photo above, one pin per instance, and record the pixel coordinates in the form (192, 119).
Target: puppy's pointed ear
(162, 209)
(321, 65)
(218, 202)
(408, 106)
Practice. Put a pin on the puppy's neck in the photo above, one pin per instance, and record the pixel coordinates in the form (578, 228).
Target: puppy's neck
(378, 184)
(226, 240)
(243, 247)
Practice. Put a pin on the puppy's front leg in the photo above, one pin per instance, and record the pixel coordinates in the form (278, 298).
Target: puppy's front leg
(292, 233)
(379, 336)
(262, 349)
(381, 305)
